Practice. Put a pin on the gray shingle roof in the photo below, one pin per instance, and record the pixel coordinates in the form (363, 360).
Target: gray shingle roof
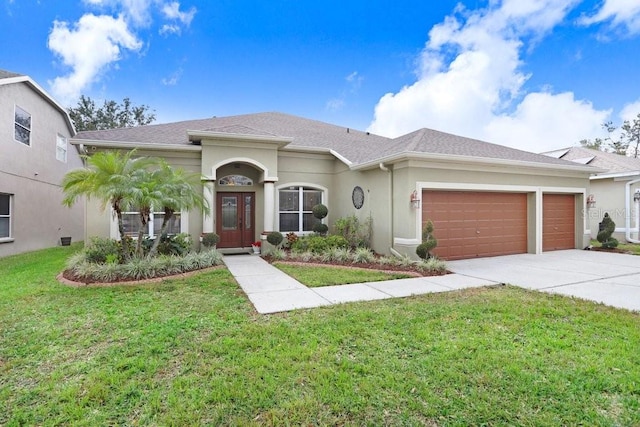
(4, 74)
(356, 146)
(611, 162)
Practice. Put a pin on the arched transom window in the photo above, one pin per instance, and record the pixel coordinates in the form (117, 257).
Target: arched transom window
(235, 180)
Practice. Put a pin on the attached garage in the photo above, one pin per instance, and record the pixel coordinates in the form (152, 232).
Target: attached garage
(471, 224)
(558, 222)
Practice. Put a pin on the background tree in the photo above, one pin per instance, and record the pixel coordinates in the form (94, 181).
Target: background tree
(86, 116)
(631, 134)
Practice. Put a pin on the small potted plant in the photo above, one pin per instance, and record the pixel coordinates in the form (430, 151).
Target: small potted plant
(256, 246)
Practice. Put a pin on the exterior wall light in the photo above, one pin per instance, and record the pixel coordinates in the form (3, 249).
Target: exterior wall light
(636, 196)
(415, 200)
(591, 201)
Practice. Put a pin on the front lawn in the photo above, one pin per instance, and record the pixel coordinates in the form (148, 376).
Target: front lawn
(194, 352)
(317, 276)
(631, 248)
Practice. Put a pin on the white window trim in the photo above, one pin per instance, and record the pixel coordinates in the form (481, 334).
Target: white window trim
(15, 106)
(65, 147)
(324, 197)
(115, 234)
(10, 216)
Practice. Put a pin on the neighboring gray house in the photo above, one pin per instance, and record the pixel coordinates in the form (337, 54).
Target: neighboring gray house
(613, 189)
(265, 171)
(36, 154)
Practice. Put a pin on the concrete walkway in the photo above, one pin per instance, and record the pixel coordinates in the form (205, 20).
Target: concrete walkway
(272, 291)
(608, 278)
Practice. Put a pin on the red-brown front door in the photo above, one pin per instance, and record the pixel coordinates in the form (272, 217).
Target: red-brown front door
(235, 219)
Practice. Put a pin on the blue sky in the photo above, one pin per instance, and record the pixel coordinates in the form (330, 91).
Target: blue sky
(532, 74)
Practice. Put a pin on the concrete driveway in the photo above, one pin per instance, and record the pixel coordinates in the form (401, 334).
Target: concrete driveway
(609, 278)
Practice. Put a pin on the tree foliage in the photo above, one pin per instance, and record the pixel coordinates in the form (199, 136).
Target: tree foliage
(429, 242)
(127, 183)
(608, 228)
(626, 142)
(87, 116)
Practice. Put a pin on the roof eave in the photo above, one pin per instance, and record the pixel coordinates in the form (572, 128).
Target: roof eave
(134, 145)
(450, 158)
(280, 141)
(627, 174)
(29, 81)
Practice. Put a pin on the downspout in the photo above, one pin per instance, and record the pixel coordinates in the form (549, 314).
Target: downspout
(627, 206)
(390, 172)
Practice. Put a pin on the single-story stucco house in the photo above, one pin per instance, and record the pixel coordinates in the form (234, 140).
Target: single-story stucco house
(264, 172)
(35, 155)
(615, 189)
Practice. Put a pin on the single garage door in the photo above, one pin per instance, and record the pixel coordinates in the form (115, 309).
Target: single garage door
(476, 224)
(558, 222)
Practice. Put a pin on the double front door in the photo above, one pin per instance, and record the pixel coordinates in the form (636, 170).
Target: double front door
(235, 219)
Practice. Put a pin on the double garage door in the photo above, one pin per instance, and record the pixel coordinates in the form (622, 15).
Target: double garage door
(481, 224)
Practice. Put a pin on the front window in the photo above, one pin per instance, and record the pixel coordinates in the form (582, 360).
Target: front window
(22, 126)
(295, 210)
(5, 216)
(61, 148)
(131, 222)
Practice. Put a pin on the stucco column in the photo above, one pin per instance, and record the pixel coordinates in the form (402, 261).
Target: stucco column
(269, 205)
(207, 193)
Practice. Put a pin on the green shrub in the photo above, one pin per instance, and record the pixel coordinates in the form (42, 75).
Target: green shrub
(320, 228)
(356, 233)
(320, 211)
(175, 244)
(604, 236)
(433, 265)
(363, 256)
(275, 238)
(278, 254)
(100, 249)
(318, 244)
(209, 240)
(335, 241)
(429, 242)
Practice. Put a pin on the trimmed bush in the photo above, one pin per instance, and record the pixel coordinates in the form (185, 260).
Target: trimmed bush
(320, 211)
(275, 238)
(320, 228)
(604, 236)
(429, 242)
(209, 240)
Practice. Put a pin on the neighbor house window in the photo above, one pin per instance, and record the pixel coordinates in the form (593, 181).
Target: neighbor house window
(22, 126)
(131, 222)
(295, 208)
(5, 216)
(61, 148)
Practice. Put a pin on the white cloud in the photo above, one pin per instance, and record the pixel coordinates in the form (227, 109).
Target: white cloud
(170, 29)
(173, 79)
(470, 82)
(136, 12)
(620, 13)
(630, 111)
(354, 82)
(88, 48)
(172, 11)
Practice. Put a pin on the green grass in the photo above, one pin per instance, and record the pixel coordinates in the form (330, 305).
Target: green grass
(317, 276)
(194, 352)
(632, 248)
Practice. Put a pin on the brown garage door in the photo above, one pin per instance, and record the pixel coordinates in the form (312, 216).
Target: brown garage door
(558, 222)
(476, 224)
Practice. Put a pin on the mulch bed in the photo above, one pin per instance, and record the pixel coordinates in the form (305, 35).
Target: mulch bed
(612, 250)
(410, 270)
(68, 278)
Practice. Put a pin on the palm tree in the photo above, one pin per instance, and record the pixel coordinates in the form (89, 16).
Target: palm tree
(112, 177)
(177, 190)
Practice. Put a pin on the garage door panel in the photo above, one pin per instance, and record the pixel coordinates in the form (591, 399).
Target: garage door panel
(473, 224)
(558, 222)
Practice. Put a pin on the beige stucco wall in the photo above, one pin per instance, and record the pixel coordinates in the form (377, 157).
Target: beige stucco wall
(610, 196)
(412, 175)
(33, 175)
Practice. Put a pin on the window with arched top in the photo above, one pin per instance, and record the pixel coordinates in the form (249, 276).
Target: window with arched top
(295, 208)
(235, 180)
